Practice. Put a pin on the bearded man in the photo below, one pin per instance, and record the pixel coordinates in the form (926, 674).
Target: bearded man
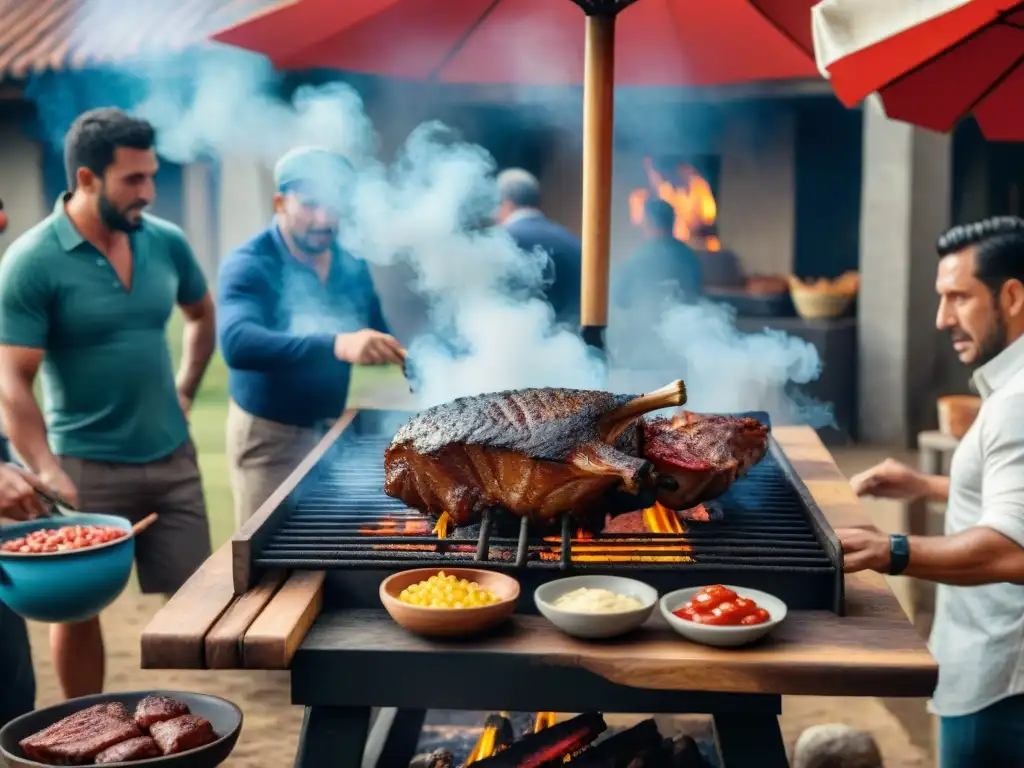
(978, 634)
(297, 312)
(86, 295)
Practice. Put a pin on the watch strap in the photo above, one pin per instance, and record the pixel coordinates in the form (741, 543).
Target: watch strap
(899, 554)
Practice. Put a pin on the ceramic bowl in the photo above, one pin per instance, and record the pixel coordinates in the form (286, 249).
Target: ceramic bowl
(723, 637)
(595, 625)
(75, 585)
(224, 716)
(450, 622)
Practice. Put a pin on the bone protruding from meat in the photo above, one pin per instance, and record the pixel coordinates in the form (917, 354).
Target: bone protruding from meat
(612, 424)
(603, 459)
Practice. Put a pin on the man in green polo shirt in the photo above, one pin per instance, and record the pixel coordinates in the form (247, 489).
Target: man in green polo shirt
(86, 294)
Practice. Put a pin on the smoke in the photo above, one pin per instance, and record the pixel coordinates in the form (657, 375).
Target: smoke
(424, 209)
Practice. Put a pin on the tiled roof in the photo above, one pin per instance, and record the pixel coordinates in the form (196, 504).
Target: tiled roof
(41, 35)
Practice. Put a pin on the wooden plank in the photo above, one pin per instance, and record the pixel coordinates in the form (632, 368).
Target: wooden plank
(224, 640)
(251, 534)
(175, 637)
(275, 635)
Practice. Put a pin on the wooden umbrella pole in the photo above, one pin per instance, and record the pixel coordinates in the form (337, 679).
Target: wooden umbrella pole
(598, 130)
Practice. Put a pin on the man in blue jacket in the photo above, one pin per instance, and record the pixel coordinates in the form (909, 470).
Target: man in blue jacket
(519, 193)
(296, 312)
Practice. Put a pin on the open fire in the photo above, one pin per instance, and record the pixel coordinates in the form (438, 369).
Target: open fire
(583, 741)
(690, 196)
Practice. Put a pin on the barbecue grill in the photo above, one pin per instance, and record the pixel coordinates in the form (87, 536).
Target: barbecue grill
(765, 532)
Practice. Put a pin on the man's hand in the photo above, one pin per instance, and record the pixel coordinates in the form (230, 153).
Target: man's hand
(18, 497)
(368, 347)
(56, 480)
(864, 549)
(891, 480)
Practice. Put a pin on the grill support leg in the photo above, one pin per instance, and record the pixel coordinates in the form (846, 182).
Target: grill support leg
(393, 738)
(332, 737)
(750, 740)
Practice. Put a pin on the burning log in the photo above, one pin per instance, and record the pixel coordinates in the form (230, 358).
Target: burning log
(622, 749)
(439, 758)
(497, 735)
(536, 750)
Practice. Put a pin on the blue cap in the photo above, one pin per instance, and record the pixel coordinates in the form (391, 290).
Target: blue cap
(315, 172)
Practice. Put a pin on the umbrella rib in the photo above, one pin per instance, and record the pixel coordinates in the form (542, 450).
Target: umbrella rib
(1000, 19)
(435, 73)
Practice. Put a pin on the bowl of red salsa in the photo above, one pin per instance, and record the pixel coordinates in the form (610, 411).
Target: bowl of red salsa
(722, 615)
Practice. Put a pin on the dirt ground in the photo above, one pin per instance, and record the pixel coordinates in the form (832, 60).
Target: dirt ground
(271, 727)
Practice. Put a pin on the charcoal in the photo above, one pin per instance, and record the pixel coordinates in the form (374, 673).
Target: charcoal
(619, 750)
(537, 750)
(685, 753)
(439, 758)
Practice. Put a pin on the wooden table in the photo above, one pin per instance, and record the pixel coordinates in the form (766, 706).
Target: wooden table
(872, 651)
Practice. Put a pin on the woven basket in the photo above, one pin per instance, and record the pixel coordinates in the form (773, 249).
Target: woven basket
(815, 305)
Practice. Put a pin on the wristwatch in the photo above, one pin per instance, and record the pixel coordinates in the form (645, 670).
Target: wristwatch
(899, 554)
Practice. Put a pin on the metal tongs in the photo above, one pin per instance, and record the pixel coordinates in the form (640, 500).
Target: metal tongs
(57, 503)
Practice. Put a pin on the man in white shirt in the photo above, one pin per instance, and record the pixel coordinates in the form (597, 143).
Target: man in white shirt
(978, 635)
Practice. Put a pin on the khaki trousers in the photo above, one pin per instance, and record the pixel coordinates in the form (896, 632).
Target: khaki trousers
(261, 454)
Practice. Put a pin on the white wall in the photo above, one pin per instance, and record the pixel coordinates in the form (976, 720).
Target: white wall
(21, 181)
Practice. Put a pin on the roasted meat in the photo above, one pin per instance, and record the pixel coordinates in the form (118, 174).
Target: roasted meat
(78, 738)
(537, 453)
(182, 734)
(154, 709)
(139, 748)
(702, 454)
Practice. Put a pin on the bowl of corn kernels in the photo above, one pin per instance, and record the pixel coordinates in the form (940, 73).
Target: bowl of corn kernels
(449, 602)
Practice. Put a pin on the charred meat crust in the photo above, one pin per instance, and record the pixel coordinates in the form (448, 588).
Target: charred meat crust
(542, 423)
(155, 708)
(78, 738)
(139, 748)
(182, 734)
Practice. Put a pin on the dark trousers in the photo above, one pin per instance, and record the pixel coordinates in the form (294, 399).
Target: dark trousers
(992, 737)
(17, 682)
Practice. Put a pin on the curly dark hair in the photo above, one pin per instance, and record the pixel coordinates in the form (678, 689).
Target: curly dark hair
(97, 134)
(999, 248)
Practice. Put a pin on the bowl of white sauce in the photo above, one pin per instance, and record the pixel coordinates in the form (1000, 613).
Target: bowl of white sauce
(595, 607)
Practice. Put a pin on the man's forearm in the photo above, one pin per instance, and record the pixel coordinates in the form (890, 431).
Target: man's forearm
(198, 342)
(976, 556)
(26, 427)
(937, 488)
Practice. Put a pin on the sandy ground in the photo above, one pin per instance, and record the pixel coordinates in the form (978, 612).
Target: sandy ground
(272, 725)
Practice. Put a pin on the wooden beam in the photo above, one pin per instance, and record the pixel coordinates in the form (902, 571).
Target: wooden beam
(273, 638)
(224, 641)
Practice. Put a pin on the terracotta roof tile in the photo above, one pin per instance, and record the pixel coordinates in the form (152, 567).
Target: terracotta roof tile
(41, 35)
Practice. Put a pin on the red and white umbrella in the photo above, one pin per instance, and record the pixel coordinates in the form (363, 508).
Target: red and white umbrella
(932, 62)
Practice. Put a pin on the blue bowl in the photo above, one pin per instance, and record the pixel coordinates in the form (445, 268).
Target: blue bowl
(61, 587)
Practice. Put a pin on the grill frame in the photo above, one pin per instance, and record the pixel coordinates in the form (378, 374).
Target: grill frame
(353, 577)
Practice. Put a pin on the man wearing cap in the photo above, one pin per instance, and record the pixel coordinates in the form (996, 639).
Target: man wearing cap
(297, 311)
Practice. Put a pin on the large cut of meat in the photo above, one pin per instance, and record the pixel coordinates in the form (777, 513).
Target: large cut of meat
(537, 453)
(77, 739)
(540, 453)
(182, 734)
(702, 454)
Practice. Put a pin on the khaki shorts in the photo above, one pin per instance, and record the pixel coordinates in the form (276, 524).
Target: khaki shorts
(261, 455)
(174, 546)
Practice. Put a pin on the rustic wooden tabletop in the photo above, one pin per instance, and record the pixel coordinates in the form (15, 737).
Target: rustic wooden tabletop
(872, 651)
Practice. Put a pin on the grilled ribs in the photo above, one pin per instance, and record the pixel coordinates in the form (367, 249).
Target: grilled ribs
(155, 708)
(78, 738)
(537, 453)
(703, 454)
(139, 748)
(540, 453)
(182, 734)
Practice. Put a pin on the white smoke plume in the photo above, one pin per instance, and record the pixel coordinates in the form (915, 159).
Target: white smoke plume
(423, 208)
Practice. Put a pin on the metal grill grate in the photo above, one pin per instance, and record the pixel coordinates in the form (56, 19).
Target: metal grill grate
(344, 520)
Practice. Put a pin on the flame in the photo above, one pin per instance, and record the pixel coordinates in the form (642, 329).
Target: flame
(544, 720)
(441, 526)
(693, 202)
(488, 744)
(397, 528)
(660, 519)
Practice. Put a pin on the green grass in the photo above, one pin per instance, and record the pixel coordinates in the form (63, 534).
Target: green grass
(208, 420)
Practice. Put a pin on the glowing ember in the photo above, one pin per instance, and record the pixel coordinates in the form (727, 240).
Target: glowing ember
(496, 736)
(660, 519)
(692, 200)
(398, 528)
(544, 720)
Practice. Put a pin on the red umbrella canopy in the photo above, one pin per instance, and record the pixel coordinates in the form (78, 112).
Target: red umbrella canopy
(534, 42)
(932, 62)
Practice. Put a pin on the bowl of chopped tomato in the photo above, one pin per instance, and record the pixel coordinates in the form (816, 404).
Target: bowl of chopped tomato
(721, 615)
(65, 568)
